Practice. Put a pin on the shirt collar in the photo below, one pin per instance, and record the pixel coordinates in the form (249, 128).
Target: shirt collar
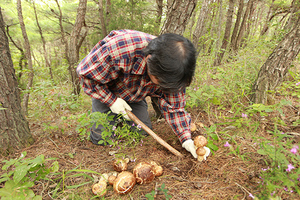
(139, 68)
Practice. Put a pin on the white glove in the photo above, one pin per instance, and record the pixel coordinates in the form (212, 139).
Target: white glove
(206, 153)
(119, 108)
(190, 147)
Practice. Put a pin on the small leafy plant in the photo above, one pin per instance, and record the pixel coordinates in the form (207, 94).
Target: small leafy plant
(212, 136)
(22, 174)
(151, 195)
(282, 174)
(116, 132)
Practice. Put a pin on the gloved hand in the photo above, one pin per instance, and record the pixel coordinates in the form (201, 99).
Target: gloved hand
(190, 147)
(207, 152)
(119, 108)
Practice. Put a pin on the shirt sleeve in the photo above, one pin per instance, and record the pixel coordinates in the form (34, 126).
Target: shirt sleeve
(95, 71)
(172, 107)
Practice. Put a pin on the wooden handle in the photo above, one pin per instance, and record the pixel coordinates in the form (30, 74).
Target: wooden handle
(150, 132)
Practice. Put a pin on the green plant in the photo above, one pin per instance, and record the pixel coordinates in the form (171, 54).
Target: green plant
(264, 109)
(291, 88)
(236, 151)
(22, 176)
(122, 133)
(86, 121)
(205, 94)
(212, 136)
(282, 174)
(64, 176)
(151, 195)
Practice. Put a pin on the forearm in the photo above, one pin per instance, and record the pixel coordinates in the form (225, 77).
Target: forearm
(180, 123)
(98, 91)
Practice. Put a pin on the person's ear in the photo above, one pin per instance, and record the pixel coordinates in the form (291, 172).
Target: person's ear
(149, 56)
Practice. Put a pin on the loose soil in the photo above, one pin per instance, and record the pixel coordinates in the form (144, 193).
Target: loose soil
(221, 176)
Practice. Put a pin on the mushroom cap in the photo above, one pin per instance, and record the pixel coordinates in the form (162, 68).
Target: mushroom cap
(104, 177)
(200, 158)
(124, 182)
(193, 127)
(99, 188)
(200, 141)
(120, 165)
(144, 173)
(111, 179)
(158, 170)
(200, 151)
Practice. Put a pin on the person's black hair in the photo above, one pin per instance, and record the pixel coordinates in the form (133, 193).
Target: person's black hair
(172, 61)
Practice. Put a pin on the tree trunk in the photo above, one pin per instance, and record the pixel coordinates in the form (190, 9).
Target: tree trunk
(212, 29)
(22, 60)
(200, 26)
(72, 47)
(258, 18)
(243, 26)
(159, 4)
(101, 17)
(178, 15)
(249, 23)
(48, 64)
(108, 7)
(237, 25)
(294, 7)
(28, 56)
(75, 43)
(226, 37)
(266, 24)
(177, 18)
(14, 129)
(277, 65)
(219, 26)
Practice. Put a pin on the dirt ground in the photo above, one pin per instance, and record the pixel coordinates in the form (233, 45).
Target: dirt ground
(221, 176)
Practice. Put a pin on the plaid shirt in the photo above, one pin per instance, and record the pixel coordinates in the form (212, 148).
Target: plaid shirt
(116, 67)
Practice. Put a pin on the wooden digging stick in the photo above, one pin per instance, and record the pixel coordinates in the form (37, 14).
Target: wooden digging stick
(150, 132)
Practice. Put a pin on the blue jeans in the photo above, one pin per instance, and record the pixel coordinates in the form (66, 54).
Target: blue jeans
(139, 109)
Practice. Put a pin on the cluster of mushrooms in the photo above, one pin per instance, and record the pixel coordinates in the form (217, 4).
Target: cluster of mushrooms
(124, 181)
(200, 143)
(202, 151)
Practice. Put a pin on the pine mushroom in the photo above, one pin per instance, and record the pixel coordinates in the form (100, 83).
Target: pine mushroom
(124, 182)
(202, 151)
(120, 164)
(200, 141)
(99, 188)
(193, 127)
(144, 173)
(112, 177)
(158, 170)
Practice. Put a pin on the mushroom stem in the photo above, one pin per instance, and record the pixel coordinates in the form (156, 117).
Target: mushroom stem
(150, 132)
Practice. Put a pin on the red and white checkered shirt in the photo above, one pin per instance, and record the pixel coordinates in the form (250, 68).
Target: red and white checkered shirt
(116, 67)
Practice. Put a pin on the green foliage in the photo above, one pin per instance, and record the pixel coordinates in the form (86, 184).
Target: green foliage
(22, 176)
(53, 99)
(115, 132)
(222, 92)
(282, 174)
(211, 137)
(263, 110)
(133, 14)
(291, 88)
(64, 176)
(205, 94)
(151, 195)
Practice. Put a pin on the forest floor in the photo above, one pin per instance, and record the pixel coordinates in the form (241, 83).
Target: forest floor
(223, 175)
